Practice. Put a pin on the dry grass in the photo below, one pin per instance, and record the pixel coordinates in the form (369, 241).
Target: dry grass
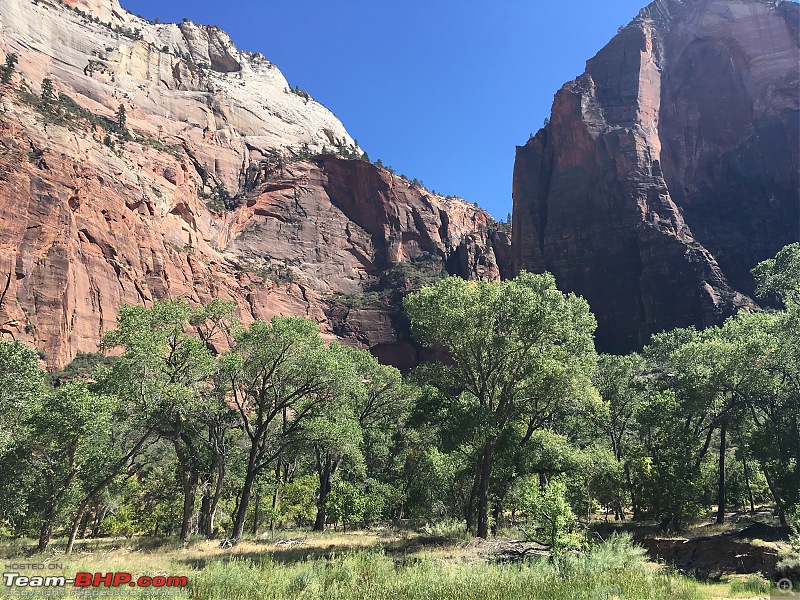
(396, 564)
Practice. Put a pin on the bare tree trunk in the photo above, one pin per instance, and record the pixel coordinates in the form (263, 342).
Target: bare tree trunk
(483, 489)
(76, 521)
(721, 500)
(256, 512)
(244, 499)
(327, 472)
(189, 486)
(275, 496)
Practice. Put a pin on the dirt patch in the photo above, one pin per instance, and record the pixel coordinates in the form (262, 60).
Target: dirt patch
(713, 557)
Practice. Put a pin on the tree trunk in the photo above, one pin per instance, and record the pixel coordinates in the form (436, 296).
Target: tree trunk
(749, 487)
(76, 521)
(256, 512)
(775, 496)
(619, 510)
(212, 513)
(205, 510)
(275, 497)
(189, 485)
(46, 529)
(127, 462)
(95, 520)
(327, 472)
(469, 515)
(244, 500)
(483, 489)
(721, 484)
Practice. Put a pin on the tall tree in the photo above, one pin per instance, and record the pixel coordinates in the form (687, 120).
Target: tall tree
(362, 423)
(515, 352)
(22, 384)
(68, 431)
(281, 379)
(621, 383)
(166, 370)
(775, 408)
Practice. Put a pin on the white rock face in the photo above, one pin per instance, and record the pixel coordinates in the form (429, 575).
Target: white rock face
(182, 81)
(91, 218)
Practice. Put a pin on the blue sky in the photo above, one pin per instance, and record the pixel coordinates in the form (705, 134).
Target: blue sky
(440, 90)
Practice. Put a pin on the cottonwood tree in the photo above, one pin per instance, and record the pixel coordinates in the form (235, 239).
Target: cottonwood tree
(68, 432)
(775, 408)
(361, 424)
(516, 351)
(22, 385)
(165, 371)
(130, 435)
(281, 379)
(621, 382)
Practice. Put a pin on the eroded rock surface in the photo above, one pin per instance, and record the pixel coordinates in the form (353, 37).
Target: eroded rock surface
(224, 186)
(669, 168)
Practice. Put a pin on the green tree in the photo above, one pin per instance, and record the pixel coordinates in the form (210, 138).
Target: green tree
(621, 383)
(516, 351)
(669, 478)
(780, 276)
(281, 379)
(550, 510)
(22, 384)
(362, 423)
(48, 95)
(121, 117)
(775, 402)
(166, 370)
(8, 69)
(67, 430)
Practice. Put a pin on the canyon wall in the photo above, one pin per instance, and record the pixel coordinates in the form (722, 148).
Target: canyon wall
(222, 181)
(669, 168)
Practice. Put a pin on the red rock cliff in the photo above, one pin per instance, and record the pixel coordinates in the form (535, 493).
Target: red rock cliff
(669, 168)
(91, 218)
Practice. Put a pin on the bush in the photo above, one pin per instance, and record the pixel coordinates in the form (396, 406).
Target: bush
(550, 510)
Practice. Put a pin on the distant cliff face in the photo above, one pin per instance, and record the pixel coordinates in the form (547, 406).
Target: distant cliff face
(223, 186)
(669, 168)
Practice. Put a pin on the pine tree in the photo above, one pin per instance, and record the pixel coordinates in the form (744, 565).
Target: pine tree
(47, 90)
(11, 61)
(121, 118)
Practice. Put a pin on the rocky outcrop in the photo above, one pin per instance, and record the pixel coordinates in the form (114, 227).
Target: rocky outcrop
(220, 184)
(669, 168)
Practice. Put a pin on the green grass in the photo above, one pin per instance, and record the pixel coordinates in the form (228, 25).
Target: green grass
(614, 570)
(752, 585)
(381, 565)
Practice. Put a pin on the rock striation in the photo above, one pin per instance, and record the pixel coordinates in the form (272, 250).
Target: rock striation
(669, 168)
(221, 181)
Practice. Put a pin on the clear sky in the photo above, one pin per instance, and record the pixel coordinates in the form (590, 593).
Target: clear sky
(441, 90)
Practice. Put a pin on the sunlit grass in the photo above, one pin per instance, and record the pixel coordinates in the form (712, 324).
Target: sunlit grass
(435, 564)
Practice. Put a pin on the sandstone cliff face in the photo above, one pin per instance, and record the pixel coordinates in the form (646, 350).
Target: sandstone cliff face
(91, 219)
(669, 169)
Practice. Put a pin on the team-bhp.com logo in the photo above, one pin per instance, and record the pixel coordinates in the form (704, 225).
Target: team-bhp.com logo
(87, 580)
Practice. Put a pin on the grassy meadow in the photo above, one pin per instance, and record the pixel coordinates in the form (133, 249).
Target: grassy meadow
(376, 565)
